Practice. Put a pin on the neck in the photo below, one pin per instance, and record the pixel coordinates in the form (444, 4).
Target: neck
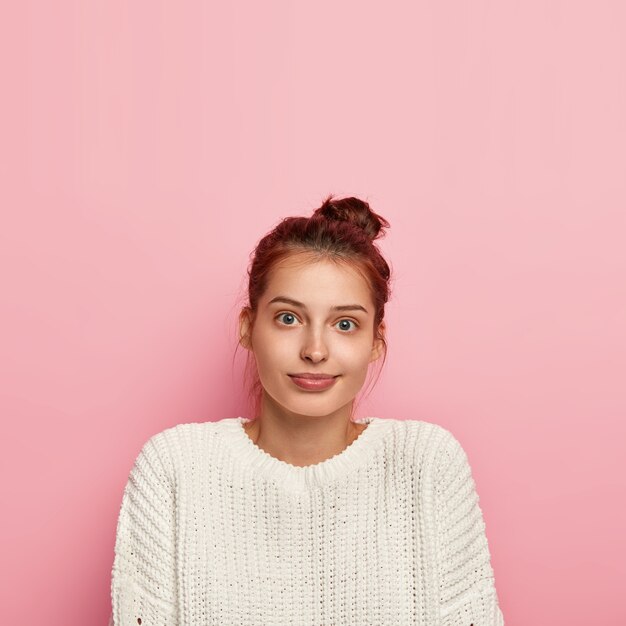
(302, 439)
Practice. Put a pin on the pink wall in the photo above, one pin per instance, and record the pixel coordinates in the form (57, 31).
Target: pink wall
(148, 145)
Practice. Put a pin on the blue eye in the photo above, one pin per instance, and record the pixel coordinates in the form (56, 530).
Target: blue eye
(288, 319)
(349, 321)
(286, 315)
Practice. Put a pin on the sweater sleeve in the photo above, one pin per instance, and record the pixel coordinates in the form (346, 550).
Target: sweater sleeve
(143, 578)
(467, 594)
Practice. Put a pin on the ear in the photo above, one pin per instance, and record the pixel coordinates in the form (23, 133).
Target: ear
(245, 328)
(378, 346)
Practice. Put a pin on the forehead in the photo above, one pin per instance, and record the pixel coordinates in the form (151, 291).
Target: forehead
(318, 282)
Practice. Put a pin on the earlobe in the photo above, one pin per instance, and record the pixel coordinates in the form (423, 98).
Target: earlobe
(377, 350)
(244, 330)
(379, 344)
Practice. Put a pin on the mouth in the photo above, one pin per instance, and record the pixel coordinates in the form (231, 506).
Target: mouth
(312, 376)
(313, 382)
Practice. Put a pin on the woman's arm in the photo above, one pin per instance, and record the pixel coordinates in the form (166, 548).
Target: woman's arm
(467, 588)
(143, 579)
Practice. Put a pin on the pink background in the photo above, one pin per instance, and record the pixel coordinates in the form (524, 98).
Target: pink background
(147, 146)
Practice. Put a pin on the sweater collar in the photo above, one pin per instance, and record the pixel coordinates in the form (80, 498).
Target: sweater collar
(304, 478)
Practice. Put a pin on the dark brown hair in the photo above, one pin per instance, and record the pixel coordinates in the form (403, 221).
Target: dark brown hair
(341, 230)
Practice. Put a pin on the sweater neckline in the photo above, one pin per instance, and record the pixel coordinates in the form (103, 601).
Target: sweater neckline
(303, 478)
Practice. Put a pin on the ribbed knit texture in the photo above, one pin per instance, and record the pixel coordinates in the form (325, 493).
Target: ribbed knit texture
(213, 530)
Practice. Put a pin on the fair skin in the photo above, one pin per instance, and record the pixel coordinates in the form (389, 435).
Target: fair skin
(297, 426)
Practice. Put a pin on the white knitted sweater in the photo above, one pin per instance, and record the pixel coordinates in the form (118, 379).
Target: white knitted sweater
(213, 530)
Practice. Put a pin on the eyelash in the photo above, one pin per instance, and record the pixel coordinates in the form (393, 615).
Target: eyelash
(347, 332)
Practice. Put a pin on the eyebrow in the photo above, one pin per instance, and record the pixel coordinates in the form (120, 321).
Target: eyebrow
(344, 307)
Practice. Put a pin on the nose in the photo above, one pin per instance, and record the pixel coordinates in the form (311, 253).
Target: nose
(314, 348)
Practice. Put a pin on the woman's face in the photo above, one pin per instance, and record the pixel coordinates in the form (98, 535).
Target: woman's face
(299, 328)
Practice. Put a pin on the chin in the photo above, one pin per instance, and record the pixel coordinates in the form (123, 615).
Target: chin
(311, 408)
(307, 404)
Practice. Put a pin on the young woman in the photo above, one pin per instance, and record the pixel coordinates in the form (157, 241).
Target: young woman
(306, 515)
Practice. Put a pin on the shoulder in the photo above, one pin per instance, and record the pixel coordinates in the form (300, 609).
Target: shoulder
(186, 441)
(186, 433)
(431, 443)
(433, 435)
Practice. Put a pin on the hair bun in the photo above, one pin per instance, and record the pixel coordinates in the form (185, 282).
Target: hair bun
(355, 211)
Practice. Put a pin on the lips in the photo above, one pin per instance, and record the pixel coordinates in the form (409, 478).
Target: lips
(313, 382)
(316, 376)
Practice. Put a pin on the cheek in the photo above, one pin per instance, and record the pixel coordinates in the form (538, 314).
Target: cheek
(352, 353)
(272, 349)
